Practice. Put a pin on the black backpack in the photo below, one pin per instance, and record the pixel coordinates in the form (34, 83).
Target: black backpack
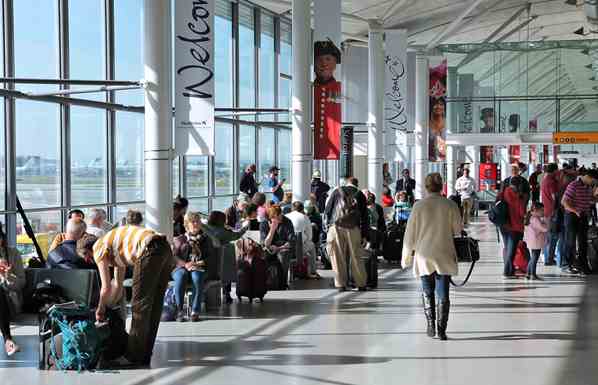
(499, 213)
(346, 210)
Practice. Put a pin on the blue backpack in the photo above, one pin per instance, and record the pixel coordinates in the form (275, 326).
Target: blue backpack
(499, 213)
(169, 309)
(82, 342)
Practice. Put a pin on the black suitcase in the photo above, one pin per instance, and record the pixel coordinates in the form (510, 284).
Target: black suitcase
(370, 260)
(393, 244)
(274, 275)
(593, 248)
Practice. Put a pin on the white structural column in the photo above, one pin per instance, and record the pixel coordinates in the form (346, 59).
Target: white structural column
(473, 158)
(422, 80)
(452, 126)
(376, 108)
(158, 115)
(503, 158)
(301, 135)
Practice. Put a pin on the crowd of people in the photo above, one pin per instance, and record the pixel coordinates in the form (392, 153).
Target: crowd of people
(550, 212)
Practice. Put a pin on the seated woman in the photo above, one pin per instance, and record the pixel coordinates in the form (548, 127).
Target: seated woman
(191, 250)
(222, 237)
(278, 235)
(12, 282)
(402, 207)
(250, 217)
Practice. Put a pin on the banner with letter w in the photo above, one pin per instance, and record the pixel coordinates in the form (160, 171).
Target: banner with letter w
(194, 77)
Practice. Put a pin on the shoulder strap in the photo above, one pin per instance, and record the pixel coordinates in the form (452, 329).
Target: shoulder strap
(466, 278)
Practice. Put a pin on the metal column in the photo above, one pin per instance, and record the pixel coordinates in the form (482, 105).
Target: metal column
(158, 115)
(376, 108)
(301, 134)
(421, 122)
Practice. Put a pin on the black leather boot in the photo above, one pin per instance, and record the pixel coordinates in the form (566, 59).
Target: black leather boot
(430, 312)
(443, 316)
(226, 294)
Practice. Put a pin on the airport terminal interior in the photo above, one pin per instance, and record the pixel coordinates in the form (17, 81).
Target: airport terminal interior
(339, 154)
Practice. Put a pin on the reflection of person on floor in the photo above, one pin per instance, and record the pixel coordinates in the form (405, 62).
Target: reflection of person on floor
(437, 129)
(487, 116)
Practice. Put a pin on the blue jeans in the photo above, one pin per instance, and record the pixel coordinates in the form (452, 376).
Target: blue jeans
(533, 261)
(436, 283)
(550, 247)
(511, 240)
(181, 276)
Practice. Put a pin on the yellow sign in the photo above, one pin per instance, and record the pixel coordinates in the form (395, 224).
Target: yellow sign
(575, 137)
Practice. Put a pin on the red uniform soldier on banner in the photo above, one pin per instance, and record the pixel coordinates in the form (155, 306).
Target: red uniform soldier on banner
(327, 105)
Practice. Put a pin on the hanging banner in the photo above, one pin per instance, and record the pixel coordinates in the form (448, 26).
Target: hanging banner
(194, 77)
(486, 154)
(437, 122)
(488, 176)
(514, 154)
(327, 104)
(465, 109)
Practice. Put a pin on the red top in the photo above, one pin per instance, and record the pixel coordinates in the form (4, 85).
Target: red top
(548, 189)
(516, 211)
(387, 201)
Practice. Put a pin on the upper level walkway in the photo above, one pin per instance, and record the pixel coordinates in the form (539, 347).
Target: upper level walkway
(500, 332)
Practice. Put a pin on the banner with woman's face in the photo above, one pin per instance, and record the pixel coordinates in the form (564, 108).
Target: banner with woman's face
(437, 113)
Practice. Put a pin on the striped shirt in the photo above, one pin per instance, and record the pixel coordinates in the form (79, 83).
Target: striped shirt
(580, 196)
(122, 245)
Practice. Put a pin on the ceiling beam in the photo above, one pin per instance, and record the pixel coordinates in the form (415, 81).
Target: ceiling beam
(454, 26)
(472, 56)
(393, 10)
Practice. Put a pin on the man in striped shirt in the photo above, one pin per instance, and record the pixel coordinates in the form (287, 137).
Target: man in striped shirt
(578, 201)
(150, 256)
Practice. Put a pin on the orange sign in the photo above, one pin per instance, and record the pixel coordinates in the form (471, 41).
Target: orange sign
(575, 137)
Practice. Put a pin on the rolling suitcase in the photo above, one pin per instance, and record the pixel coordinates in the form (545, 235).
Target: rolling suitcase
(370, 260)
(393, 244)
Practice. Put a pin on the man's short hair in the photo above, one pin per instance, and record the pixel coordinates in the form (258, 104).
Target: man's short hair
(180, 203)
(76, 227)
(552, 167)
(298, 206)
(352, 180)
(217, 218)
(97, 213)
(134, 217)
(592, 173)
(465, 170)
(434, 182)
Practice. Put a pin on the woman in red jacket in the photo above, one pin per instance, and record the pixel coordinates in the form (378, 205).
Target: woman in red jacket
(513, 231)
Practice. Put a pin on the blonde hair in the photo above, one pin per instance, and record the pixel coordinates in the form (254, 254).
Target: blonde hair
(434, 182)
(191, 216)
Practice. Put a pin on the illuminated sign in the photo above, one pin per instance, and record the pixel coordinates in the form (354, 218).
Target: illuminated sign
(575, 137)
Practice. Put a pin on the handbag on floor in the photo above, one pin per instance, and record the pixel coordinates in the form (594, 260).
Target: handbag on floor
(468, 250)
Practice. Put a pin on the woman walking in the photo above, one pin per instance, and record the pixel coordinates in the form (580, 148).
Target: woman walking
(429, 246)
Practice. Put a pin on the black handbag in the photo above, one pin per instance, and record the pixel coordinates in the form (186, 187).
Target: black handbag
(468, 250)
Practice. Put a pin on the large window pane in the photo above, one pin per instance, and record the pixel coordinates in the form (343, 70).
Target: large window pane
(129, 157)
(175, 177)
(121, 211)
(129, 126)
(246, 147)
(285, 49)
(223, 160)
(267, 58)
(201, 205)
(224, 54)
(88, 156)
(197, 176)
(284, 156)
(246, 57)
(267, 148)
(86, 39)
(222, 203)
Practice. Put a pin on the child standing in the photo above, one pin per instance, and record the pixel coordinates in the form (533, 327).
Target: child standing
(536, 228)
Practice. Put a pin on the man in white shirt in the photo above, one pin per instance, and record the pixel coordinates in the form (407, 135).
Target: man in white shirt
(466, 188)
(97, 223)
(302, 224)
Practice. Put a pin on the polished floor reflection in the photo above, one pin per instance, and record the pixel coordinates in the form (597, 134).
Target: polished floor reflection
(500, 332)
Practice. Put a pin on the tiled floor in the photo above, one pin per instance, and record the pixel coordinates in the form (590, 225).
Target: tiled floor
(512, 332)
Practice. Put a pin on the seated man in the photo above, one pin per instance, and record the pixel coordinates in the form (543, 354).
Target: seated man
(150, 256)
(60, 237)
(97, 225)
(302, 224)
(65, 255)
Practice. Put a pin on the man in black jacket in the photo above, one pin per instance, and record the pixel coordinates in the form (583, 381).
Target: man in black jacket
(407, 184)
(65, 256)
(348, 226)
(248, 184)
(320, 189)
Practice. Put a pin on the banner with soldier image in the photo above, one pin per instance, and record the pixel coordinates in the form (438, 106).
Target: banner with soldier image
(327, 103)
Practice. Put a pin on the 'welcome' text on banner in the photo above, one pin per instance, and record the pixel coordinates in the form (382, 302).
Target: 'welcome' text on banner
(194, 77)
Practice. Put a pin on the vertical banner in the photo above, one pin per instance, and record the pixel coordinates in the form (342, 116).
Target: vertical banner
(488, 176)
(194, 76)
(514, 154)
(486, 154)
(465, 109)
(437, 121)
(395, 94)
(347, 145)
(327, 90)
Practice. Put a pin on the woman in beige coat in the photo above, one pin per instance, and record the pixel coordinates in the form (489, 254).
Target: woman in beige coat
(429, 246)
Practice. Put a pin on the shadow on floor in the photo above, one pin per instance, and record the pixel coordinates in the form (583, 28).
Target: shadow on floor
(520, 337)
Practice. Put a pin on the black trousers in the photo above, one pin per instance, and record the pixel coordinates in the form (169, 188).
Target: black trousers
(4, 315)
